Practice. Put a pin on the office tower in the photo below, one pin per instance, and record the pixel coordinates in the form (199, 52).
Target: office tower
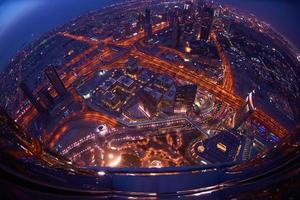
(148, 25)
(207, 21)
(148, 31)
(149, 100)
(132, 66)
(148, 16)
(45, 98)
(176, 34)
(184, 98)
(244, 112)
(171, 18)
(55, 81)
(38, 106)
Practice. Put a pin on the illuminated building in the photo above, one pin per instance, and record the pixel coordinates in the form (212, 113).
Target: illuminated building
(132, 67)
(26, 91)
(217, 149)
(150, 100)
(167, 102)
(55, 81)
(111, 100)
(163, 82)
(184, 98)
(244, 112)
(126, 84)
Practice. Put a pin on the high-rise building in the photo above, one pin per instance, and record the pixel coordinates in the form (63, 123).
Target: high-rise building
(45, 98)
(176, 34)
(148, 31)
(56, 82)
(207, 21)
(132, 66)
(140, 20)
(184, 98)
(148, 25)
(148, 16)
(244, 112)
(150, 100)
(171, 18)
(38, 106)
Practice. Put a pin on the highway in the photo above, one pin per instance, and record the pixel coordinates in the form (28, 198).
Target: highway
(222, 92)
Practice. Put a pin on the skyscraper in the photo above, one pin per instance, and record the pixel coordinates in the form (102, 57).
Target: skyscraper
(148, 25)
(148, 16)
(54, 79)
(244, 112)
(176, 34)
(38, 106)
(45, 98)
(207, 21)
(184, 98)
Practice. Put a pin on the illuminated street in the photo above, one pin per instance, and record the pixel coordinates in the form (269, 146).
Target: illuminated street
(153, 86)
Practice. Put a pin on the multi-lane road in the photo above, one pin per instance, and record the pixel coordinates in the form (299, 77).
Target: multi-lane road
(223, 92)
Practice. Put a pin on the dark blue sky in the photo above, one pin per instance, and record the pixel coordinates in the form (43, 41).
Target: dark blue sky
(24, 20)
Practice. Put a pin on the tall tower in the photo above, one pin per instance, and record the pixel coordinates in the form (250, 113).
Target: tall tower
(148, 16)
(207, 21)
(45, 98)
(148, 25)
(244, 112)
(54, 79)
(176, 34)
(39, 107)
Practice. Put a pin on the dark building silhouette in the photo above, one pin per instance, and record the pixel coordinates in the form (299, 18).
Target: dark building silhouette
(54, 79)
(27, 92)
(150, 100)
(176, 33)
(185, 97)
(45, 98)
(207, 21)
(148, 16)
(148, 25)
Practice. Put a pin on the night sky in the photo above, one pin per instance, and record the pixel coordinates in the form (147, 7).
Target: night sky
(21, 21)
